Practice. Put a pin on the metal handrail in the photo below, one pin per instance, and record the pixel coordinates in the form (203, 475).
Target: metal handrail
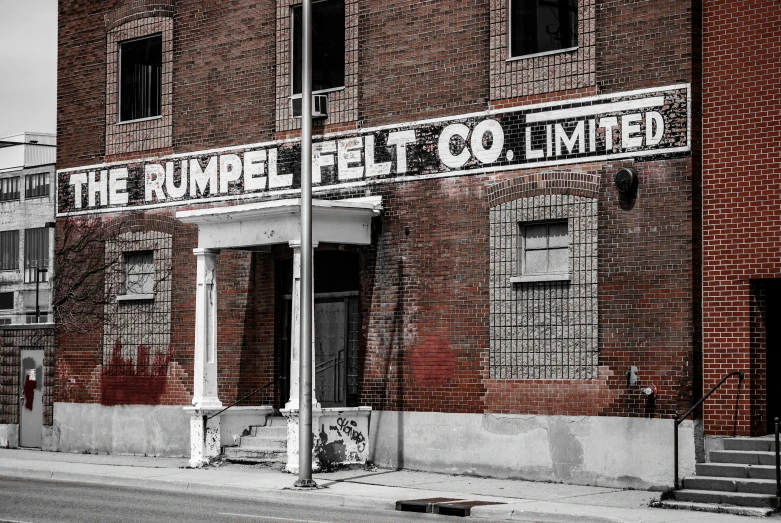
(778, 464)
(206, 418)
(680, 420)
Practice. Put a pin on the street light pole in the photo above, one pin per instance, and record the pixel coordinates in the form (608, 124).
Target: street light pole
(305, 365)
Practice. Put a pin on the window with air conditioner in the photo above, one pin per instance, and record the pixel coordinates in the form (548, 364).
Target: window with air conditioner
(327, 47)
(542, 26)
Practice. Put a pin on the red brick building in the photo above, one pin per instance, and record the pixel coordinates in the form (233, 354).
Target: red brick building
(490, 297)
(740, 165)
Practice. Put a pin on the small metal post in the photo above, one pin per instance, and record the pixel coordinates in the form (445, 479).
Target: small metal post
(778, 464)
(675, 445)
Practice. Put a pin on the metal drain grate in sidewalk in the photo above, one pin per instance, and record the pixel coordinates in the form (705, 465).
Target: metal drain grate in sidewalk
(443, 506)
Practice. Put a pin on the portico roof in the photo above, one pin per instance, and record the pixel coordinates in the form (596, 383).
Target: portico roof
(279, 221)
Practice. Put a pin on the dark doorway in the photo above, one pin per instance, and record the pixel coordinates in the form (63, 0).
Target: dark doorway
(773, 347)
(337, 326)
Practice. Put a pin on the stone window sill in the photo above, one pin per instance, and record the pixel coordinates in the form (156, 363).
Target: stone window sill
(532, 278)
(136, 297)
(139, 120)
(546, 53)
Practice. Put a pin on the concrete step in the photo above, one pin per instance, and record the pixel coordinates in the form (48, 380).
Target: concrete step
(276, 421)
(255, 455)
(740, 499)
(718, 509)
(763, 444)
(752, 486)
(742, 457)
(734, 470)
(269, 432)
(263, 442)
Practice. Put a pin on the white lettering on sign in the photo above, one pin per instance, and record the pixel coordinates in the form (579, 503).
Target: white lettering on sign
(201, 179)
(640, 123)
(97, 186)
(349, 153)
(117, 186)
(254, 168)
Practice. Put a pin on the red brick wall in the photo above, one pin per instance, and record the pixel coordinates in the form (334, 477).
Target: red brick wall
(741, 187)
(422, 59)
(645, 44)
(424, 280)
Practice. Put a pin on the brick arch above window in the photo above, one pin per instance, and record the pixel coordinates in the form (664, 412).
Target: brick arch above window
(131, 10)
(143, 222)
(541, 183)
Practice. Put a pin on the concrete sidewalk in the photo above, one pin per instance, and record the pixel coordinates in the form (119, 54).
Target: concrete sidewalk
(376, 488)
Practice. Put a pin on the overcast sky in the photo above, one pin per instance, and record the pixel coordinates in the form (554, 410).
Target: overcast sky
(28, 66)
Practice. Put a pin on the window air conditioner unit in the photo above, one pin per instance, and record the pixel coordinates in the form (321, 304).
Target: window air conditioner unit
(319, 106)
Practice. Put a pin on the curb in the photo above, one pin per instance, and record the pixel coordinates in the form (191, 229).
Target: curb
(284, 494)
(516, 512)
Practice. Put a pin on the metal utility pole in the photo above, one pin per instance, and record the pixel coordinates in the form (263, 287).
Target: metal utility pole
(305, 360)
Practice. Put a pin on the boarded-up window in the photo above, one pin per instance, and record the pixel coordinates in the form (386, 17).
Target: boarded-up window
(140, 272)
(36, 254)
(9, 250)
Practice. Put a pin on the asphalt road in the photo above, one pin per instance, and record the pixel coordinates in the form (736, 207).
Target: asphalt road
(42, 501)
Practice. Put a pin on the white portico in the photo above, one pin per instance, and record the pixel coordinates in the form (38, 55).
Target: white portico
(248, 227)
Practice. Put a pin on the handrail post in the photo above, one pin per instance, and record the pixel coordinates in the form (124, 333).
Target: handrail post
(778, 464)
(675, 444)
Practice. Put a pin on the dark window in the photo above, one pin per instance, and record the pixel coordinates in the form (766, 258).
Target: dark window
(9, 189)
(36, 185)
(539, 26)
(140, 78)
(9, 250)
(327, 45)
(36, 254)
(140, 272)
(6, 300)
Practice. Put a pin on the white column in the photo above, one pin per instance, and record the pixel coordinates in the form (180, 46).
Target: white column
(205, 375)
(295, 332)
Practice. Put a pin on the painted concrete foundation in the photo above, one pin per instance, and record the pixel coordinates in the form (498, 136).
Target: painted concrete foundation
(341, 436)
(9, 436)
(132, 430)
(604, 451)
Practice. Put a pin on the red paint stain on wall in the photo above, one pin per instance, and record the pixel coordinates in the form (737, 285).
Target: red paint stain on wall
(433, 361)
(132, 390)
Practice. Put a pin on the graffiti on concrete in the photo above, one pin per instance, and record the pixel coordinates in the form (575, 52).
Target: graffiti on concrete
(349, 428)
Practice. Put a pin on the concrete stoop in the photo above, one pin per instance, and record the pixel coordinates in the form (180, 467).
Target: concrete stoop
(265, 444)
(741, 480)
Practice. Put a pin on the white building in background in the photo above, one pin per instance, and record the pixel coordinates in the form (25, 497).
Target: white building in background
(27, 197)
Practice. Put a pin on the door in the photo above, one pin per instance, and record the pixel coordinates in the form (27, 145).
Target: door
(331, 351)
(773, 347)
(31, 398)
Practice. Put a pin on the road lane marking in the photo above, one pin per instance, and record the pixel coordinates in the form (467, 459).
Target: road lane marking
(269, 517)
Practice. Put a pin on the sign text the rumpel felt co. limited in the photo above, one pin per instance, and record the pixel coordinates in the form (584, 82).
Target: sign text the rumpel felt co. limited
(651, 122)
